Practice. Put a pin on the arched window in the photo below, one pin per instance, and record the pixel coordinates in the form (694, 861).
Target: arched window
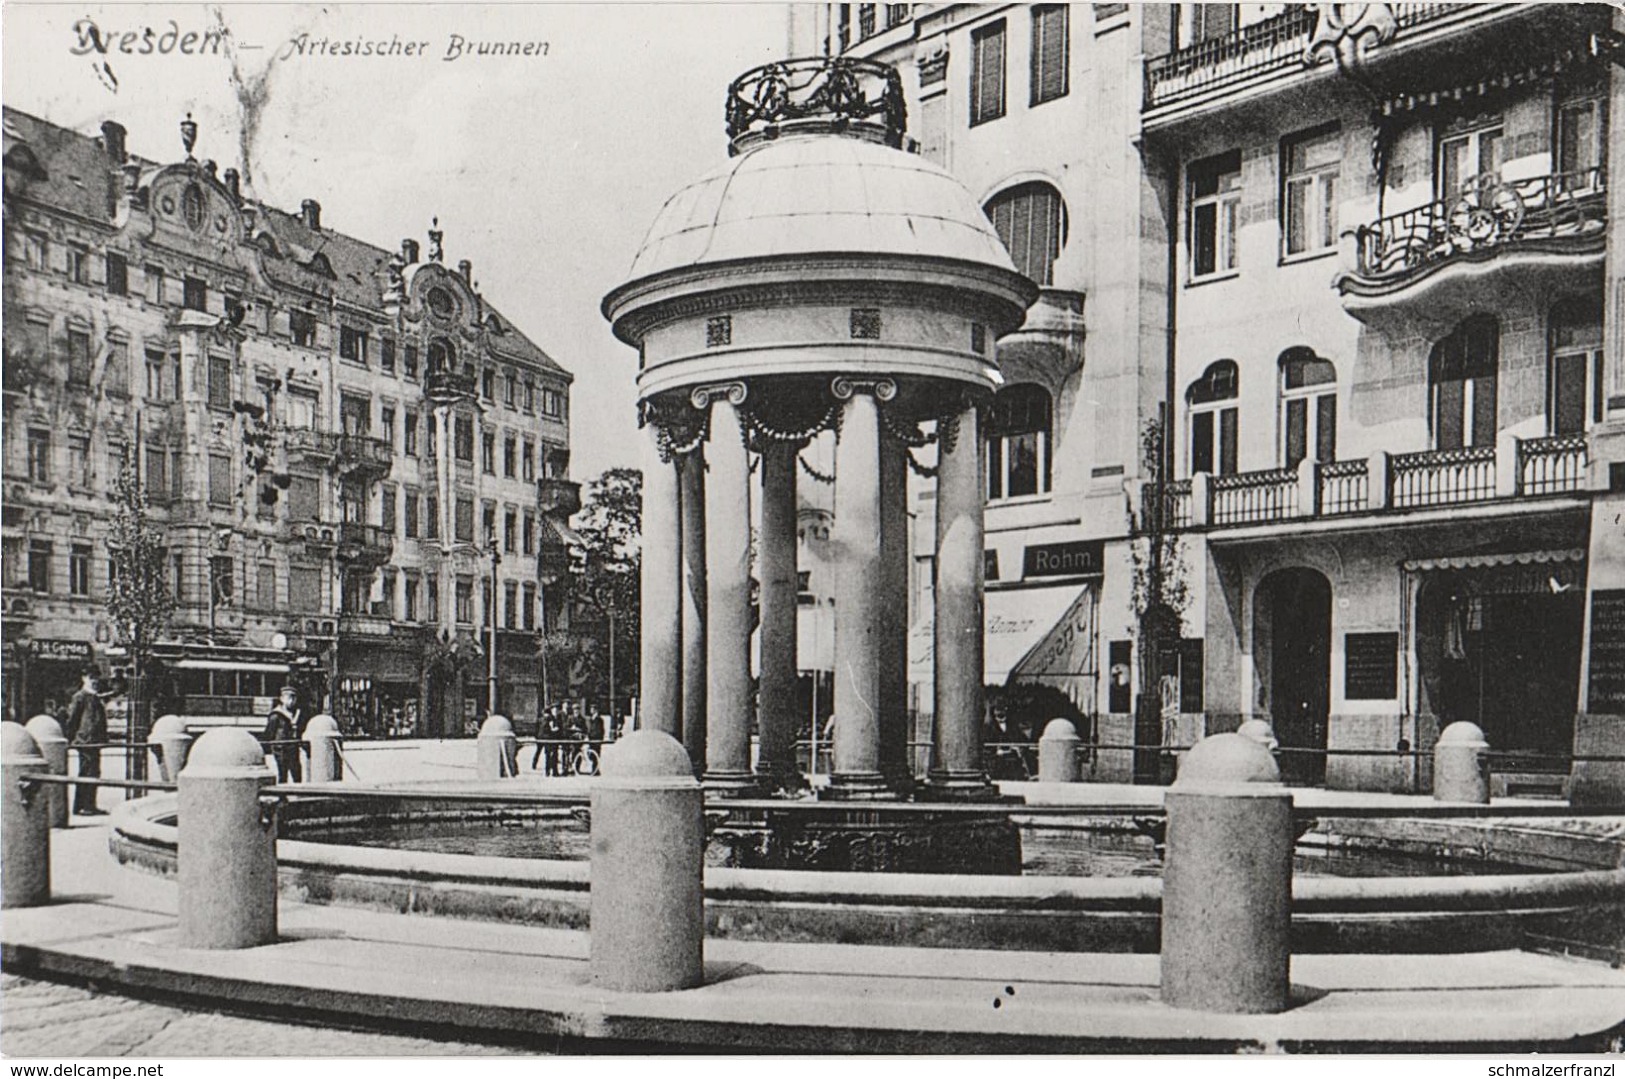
(1031, 221)
(1018, 442)
(1211, 400)
(1574, 379)
(1308, 407)
(1461, 385)
(442, 357)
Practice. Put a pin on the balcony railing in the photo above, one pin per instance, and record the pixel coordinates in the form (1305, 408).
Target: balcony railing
(360, 624)
(365, 544)
(1274, 44)
(1516, 468)
(1251, 497)
(1491, 213)
(1442, 477)
(444, 387)
(363, 453)
(309, 442)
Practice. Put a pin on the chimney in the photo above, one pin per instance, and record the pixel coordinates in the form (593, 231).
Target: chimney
(209, 169)
(234, 185)
(409, 251)
(113, 140)
(466, 268)
(132, 178)
(311, 212)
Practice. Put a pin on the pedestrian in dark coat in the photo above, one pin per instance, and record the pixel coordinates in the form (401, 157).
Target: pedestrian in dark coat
(87, 727)
(285, 725)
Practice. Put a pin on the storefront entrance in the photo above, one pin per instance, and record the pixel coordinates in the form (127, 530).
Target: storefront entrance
(1294, 630)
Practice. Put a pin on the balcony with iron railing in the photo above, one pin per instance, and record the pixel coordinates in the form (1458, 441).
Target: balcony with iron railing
(448, 387)
(364, 456)
(311, 444)
(1281, 44)
(364, 545)
(1387, 483)
(1491, 217)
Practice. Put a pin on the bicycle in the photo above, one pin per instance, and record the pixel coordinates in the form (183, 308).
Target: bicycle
(584, 762)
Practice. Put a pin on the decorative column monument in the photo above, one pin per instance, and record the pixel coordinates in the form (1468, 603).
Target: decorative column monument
(821, 279)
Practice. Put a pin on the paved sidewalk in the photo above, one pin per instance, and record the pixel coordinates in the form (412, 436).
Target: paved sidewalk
(116, 928)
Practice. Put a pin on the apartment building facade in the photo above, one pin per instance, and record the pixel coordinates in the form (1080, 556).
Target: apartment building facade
(355, 460)
(1369, 267)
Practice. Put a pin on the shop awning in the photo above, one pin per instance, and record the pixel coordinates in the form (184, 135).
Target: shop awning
(1486, 561)
(1067, 657)
(1016, 622)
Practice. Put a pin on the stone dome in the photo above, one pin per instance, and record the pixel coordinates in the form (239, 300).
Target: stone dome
(805, 194)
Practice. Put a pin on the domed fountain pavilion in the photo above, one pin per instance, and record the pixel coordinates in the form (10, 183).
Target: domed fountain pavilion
(823, 278)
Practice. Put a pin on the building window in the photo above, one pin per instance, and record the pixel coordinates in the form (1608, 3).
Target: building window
(987, 73)
(488, 384)
(510, 530)
(530, 398)
(220, 383)
(1210, 21)
(78, 272)
(157, 484)
(429, 437)
(411, 514)
(302, 327)
(1580, 144)
(463, 432)
(78, 358)
(36, 251)
(431, 516)
(719, 331)
(118, 275)
(157, 375)
(79, 570)
(865, 323)
(196, 294)
(116, 373)
(527, 462)
(304, 499)
(39, 566)
(219, 480)
(465, 600)
(488, 452)
(386, 501)
(353, 345)
(510, 454)
(1051, 51)
(1462, 376)
(431, 598)
(1309, 199)
(1575, 378)
(265, 586)
(1031, 222)
(223, 578)
(386, 355)
(409, 439)
(355, 414)
(39, 455)
(465, 520)
(1214, 419)
(79, 460)
(177, 576)
(409, 361)
(1469, 159)
(528, 611)
(530, 533)
(411, 597)
(304, 409)
(488, 523)
(552, 404)
(386, 425)
(1018, 442)
(1308, 407)
(155, 283)
(510, 390)
(510, 604)
(390, 576)
(1215, 194)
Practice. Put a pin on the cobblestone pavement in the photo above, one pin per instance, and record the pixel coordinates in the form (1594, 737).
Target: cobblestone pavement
(44, 1019)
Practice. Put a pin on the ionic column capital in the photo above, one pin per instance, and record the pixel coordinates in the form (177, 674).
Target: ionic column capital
(733, 392)
(842, 387)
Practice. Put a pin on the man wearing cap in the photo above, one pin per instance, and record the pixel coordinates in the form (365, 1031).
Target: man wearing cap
(87, 727)
(285, 725)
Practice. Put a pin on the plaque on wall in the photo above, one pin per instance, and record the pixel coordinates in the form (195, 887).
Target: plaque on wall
(1607, 688)
(1371, 666)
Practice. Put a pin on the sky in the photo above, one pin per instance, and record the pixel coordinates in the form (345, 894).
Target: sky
(544, 170)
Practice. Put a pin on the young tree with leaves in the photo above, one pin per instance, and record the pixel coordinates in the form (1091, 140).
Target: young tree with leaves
(139, 599)
(610, 558)
(1159, 591)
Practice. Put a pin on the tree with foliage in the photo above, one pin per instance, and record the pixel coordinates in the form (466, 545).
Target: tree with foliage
(609, 559)
(1159, 591)
(139, 598)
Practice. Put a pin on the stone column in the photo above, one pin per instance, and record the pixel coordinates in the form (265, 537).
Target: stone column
(894, 720)
(776, 692)
(957, 762)
(660, 663)
(691, 699)
(727, 593)
(858, 597)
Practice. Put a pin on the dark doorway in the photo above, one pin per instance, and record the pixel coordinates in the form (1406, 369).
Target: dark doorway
(1298, 606)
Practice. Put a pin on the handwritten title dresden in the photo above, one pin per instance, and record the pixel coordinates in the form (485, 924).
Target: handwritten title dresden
(457, 47)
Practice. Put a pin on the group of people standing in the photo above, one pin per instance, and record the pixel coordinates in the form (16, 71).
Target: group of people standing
(561, 735)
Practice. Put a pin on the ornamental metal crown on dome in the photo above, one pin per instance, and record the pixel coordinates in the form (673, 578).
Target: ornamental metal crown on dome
(823, 94)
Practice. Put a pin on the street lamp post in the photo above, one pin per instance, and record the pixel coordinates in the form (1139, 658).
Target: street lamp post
(491, 618)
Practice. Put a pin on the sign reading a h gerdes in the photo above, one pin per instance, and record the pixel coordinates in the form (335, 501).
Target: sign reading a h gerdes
(1085, 557)
(74, 651)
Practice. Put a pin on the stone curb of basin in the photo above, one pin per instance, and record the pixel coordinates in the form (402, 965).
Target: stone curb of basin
(1330, 914)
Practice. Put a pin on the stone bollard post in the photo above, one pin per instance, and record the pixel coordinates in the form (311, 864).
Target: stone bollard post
(326, 742)
(1227, 881)
(47, 735)
(226, 844)
(25, 825)
(1458, 765)
(174, 743)
(1058, 753)
(496, 750)
(648, 846)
